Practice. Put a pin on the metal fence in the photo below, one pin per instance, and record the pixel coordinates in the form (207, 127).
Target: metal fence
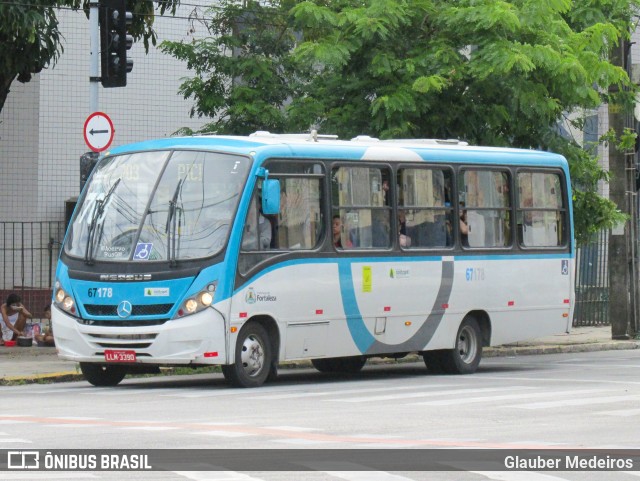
(592, 283)
(28, 254)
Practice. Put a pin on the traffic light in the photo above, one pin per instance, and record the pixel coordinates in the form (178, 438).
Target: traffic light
(114, 42)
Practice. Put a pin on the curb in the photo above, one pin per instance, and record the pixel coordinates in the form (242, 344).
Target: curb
(512, 351)
(49, 378)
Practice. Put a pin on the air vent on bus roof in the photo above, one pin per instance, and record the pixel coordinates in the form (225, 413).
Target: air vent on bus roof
(312, 136)
(429, 141)
(365, 138)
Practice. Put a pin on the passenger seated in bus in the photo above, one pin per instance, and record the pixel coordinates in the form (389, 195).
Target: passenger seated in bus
(464, 228)
(380, 228)
(336, 228)
(257, 230)
(404, 239)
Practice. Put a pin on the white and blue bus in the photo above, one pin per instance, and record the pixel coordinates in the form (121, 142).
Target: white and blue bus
(246, 252)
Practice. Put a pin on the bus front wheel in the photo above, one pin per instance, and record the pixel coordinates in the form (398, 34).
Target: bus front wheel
(252, 360)
(101, 375)
(464, 358)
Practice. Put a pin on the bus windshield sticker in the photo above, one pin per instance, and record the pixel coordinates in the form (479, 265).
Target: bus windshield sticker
(143, 251)
(156, 292)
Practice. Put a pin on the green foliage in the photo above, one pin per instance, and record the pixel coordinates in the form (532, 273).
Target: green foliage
(490, 72)
(244, 75)
(31, 40)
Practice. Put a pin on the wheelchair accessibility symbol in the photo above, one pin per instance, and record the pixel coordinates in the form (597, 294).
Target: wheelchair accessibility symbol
(565, 268)
(143, 251)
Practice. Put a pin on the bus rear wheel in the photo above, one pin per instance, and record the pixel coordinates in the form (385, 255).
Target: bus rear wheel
(101, 375)
(253, 359)
(464, 358)
(340, 364)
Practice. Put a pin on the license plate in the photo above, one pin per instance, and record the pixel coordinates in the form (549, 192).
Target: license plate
(119, 356)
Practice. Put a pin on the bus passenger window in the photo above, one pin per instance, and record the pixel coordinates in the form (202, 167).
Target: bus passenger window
(361, 200)
(541, 210)
(425, 213)
(299, 224)
(257, 228)
(484, 196)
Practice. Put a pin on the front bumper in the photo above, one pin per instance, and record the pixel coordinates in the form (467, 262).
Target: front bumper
(198, 339)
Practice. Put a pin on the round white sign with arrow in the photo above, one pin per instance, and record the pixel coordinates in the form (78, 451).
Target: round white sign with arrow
(98, 131)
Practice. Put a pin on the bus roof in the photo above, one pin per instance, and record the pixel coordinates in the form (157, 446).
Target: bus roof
(264, 145)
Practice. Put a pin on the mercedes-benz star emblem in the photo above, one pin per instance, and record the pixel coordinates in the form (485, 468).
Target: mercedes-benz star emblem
(124, 309)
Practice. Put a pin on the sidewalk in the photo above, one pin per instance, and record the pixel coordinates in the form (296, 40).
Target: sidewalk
(32, 364)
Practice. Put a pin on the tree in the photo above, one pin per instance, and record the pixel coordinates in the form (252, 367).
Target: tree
(487, 71)
(31, 39)
(244, 71)
(491, 72)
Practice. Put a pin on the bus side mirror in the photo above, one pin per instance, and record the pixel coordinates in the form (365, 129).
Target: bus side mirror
(270, 197)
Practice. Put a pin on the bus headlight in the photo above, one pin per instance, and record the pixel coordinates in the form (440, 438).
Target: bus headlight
(64, 301)
(206, 298)
(68, 303)
(60, 295)
(190, 306)
(200, 301)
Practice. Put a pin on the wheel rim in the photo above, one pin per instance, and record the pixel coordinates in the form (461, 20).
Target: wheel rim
(252, 356)
(467, 345)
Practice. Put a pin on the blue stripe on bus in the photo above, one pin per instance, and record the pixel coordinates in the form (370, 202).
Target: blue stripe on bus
(359, 332)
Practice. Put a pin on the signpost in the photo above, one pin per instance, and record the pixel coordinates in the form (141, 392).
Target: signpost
(98, 131)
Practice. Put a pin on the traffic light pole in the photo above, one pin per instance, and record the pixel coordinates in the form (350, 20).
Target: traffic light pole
(94, 74)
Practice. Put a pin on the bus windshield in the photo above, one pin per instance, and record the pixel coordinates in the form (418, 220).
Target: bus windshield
(158, 206)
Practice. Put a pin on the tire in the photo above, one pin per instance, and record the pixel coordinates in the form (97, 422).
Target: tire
(433, 361)
(465, 356)
(350, 364)
(253, 358)
(273, 372)
(102, 375)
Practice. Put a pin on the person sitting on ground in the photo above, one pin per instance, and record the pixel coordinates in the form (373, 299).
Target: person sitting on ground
(46, 337)
(14, 318)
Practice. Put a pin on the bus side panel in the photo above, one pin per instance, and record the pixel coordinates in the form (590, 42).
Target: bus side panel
(345, 307)
(380, 306)
(525, 296)
(305, 301)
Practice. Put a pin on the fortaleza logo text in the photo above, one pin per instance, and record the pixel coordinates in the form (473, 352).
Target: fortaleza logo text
(251, 297)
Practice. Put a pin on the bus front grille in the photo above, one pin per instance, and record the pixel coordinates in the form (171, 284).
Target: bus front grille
(108, 345)
(148, 322)
(137, 310)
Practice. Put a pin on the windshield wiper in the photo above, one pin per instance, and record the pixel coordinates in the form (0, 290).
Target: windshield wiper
(170, 226)
(98, 211)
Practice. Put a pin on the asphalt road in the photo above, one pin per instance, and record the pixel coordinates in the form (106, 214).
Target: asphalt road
(573, 401)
